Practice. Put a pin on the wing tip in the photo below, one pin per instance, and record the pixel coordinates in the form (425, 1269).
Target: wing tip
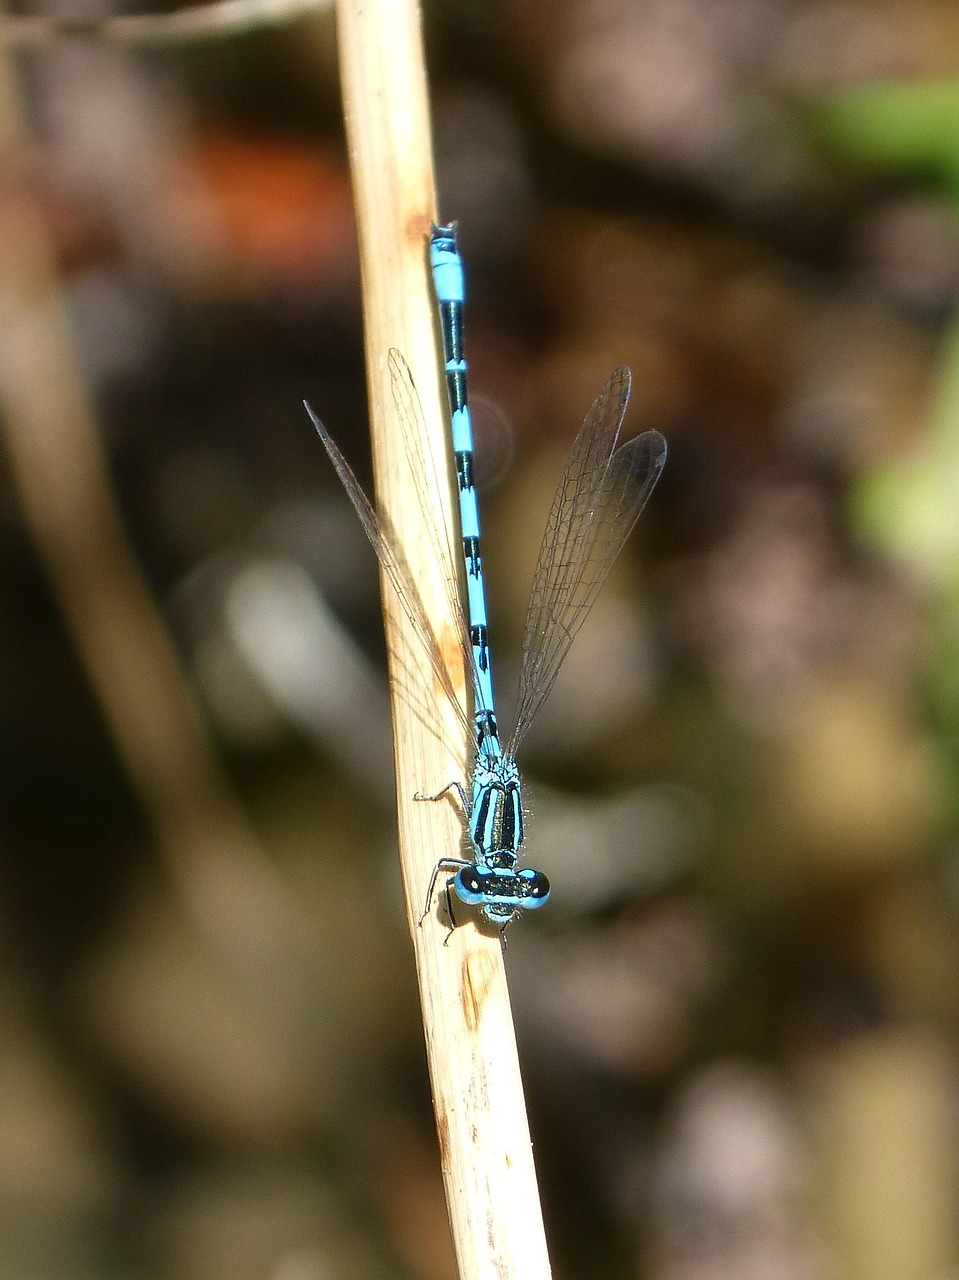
(658, 447)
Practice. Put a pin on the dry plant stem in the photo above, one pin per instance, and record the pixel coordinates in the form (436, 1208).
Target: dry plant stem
(146, 30)
(477, 1093)
(57, 464)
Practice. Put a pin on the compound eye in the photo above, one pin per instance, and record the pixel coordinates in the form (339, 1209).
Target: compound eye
(469, 886)
(537, 889)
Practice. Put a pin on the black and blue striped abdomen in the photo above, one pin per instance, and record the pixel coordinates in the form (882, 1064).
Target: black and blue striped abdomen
(448, 280)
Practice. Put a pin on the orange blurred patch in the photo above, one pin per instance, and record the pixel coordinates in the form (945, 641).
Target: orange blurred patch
(269, 212)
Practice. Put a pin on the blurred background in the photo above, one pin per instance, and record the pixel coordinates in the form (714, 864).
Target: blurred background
(739, 1017)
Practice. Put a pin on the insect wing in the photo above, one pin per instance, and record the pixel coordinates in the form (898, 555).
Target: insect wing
(385, 545)
(600, 496)
(428, 489)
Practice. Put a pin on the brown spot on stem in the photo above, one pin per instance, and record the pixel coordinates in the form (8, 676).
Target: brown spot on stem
(443, 1137)
(478, 971)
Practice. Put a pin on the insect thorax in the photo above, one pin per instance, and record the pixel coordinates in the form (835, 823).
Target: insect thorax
(496, 815)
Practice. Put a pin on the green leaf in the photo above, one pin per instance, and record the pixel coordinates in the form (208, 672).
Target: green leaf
(910, 126)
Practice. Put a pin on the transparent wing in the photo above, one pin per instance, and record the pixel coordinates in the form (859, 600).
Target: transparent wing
(602, 491)
(388, 552)
(428, 486)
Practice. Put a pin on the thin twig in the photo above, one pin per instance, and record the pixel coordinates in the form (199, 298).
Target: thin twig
(478, 1097)
(146, 30)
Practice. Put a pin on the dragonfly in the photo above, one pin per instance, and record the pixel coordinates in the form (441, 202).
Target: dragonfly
(603, 489)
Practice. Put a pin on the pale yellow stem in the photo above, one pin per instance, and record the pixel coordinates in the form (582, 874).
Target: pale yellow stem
(480, 1109)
